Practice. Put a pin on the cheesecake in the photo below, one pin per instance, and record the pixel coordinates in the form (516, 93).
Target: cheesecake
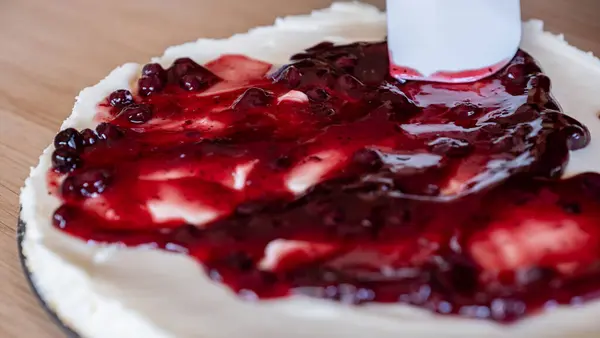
(281, 183)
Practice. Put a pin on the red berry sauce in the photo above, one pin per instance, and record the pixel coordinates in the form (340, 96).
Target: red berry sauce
(329, 179)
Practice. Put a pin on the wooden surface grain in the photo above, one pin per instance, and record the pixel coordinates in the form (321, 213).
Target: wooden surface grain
(49, 50)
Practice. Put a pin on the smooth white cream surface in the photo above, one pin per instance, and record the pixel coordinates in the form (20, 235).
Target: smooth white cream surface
(110, 291)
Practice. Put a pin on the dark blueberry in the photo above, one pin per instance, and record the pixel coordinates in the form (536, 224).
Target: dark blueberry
(464, 111)
(320, 46)
(321, 76)
(490, 131)
(346, 63)
(193, 82)
(577, 137)
(306, 73)
(186, 234)
(86, 184)
(137, 114)
(333, 218)
(61, 216)
(300, 56)
(431, 190)
(553, 163)
(540, 81)
(185, 62)
(349, 85)
(93, 182)
(190, 76)
(535, 275)
(367, 159)
(464, 115)
(65, 159)
(268, 277)
(197, 78)
(283, 162)
(539, 89)
(523, 114)
(120, 98)
(240, 261)
(348, 293)
(515, 72)
(456, 274)
(180, 68)
(370, 73)
(400, 106)
(317, 94)
(254, 97)
(531, 66)
(68, 188)
(89, 137)
(107, 131)
(373, 67)
(289, 75)
(322, 110)
(150, 84)
(514, 79)
(69, 138)
(154, 69)
(506, 310)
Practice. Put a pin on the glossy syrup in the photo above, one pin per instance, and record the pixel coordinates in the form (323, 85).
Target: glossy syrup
(329, 179)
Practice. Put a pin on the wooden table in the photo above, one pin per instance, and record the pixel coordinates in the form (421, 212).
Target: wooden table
(49, 50)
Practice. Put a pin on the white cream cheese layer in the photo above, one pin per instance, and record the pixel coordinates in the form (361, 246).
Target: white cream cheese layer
(112, 292)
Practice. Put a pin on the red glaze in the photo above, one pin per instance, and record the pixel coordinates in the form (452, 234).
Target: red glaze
(471, 75)
(330, 179)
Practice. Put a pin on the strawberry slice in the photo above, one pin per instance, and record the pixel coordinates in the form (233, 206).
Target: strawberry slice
(172, 204)
(391, 260)
(283, 254)
(478, 172)
(534, 236)
(293, 96)
(313, 170)
(237, 70)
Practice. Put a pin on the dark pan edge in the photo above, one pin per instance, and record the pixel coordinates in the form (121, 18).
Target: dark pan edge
(28, 275)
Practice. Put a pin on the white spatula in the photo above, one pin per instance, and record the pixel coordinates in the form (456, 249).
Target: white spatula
(451, 40)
